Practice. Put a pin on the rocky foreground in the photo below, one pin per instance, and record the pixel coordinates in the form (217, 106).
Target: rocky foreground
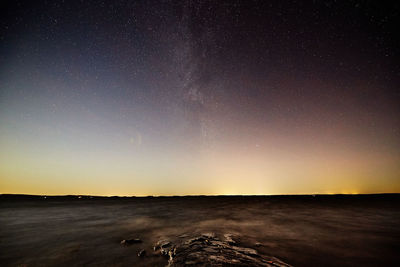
(208, 250)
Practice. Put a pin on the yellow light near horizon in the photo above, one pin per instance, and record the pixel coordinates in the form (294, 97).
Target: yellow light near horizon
(222, 173)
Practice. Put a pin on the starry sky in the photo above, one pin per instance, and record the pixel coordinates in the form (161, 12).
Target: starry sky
(199, 97)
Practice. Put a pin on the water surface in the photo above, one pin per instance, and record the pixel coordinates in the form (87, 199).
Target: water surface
(300, 230)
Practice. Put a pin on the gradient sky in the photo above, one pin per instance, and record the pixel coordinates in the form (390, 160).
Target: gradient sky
(199, 97)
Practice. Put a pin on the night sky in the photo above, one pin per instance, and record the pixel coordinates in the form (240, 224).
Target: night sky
(199, 97)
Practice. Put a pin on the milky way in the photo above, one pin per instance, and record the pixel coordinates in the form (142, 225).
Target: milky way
(199, 97)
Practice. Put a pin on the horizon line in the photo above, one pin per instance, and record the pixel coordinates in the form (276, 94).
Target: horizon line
(199, 195)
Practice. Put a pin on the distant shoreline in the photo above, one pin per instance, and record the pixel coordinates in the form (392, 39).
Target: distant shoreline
(29, 196)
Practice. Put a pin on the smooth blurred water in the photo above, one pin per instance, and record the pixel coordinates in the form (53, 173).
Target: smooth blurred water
(302, 231)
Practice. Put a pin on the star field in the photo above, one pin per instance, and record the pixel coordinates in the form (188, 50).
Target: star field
(199, 97)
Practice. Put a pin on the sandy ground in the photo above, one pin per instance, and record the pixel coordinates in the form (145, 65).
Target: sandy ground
(301, 230)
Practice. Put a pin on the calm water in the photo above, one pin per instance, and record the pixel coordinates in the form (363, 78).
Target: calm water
(302, 231)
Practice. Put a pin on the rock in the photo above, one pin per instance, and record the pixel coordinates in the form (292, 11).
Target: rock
(211, 250)
(161, 244)
(142, 253)
(183, 236)
(228, 238)
(258, 244)
(163, 247)
(247, 251)
(127, 242)
(192, 240)
(208, 235)
(165, 244)
(208, 250)
(171, 253)
(164, 251)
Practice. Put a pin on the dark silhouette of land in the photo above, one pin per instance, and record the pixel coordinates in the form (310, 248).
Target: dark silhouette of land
(300, 230)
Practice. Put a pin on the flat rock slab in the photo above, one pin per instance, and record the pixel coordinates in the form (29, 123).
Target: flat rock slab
(209, 250)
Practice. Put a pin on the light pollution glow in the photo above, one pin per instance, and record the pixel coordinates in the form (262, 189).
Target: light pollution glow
(63, 167)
